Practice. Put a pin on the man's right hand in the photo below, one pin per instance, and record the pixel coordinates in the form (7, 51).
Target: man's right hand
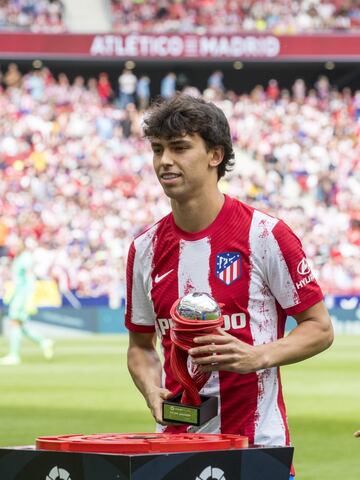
(154, 401)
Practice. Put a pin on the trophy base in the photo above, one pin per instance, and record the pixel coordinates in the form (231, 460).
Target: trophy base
(175, 412)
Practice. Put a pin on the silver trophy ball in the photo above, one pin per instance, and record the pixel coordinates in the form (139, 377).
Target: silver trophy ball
(198, 306)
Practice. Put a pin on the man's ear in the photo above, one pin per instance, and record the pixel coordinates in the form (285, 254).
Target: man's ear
(217, 156)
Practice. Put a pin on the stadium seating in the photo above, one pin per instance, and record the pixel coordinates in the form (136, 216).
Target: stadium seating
(76, 176)
(193, 16)
(213, 16)
(46, 16)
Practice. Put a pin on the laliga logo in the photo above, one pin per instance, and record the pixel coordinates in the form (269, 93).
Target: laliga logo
(303, 267)
(211, 473)
(57, 473)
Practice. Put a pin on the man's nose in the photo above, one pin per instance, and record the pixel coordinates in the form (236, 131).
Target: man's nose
(167, 158)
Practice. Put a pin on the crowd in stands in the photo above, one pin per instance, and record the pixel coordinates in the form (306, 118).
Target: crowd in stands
(281, 17)
(76, 177)
(45, 16)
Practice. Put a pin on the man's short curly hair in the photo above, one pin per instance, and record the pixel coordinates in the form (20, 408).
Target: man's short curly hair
(183, 115)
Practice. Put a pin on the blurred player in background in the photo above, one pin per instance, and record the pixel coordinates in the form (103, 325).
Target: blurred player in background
(247, 260)
(21, 306)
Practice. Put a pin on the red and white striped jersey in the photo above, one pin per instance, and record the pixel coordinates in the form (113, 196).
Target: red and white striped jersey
(254, 265)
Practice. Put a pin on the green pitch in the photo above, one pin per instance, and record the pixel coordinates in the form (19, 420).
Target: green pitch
(86, 389)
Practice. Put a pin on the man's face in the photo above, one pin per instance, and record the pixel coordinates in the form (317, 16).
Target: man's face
(183, 165)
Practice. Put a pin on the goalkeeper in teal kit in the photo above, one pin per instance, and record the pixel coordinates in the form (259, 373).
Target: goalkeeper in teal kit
(21, 307)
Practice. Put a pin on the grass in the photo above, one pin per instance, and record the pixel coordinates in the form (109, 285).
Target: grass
(323, 399)
(86, 389)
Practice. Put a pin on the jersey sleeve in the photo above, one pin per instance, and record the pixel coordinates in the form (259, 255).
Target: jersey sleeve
(139, 314)
(290, 278)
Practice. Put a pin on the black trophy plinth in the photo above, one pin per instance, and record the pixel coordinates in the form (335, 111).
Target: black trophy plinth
(26, 463)
(175, 412)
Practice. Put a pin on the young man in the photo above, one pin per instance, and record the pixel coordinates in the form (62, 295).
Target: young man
(247, 260)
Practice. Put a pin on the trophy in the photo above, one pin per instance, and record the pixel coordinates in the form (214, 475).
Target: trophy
(193, 315)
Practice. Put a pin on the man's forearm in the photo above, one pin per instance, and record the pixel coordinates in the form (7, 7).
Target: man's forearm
(145, 368)
(306, 340)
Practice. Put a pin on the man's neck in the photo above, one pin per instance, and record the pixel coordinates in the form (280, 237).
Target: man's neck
(197, 213)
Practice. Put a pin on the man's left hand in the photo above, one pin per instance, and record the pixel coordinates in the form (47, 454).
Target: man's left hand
(222, 351)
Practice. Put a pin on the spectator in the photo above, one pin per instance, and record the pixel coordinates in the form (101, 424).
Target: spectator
(299, 90)
(215, 81)
(168, 85)
(182, 81)
(272, 90)
(143, 92)
(127, 88)
(104, 88)
(322, 86)
(35, 84)
(12, 77)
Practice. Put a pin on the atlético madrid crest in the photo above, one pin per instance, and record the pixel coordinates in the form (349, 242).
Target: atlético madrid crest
(228, 266)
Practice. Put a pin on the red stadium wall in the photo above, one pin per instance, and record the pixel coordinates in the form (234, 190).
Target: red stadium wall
(182, 47)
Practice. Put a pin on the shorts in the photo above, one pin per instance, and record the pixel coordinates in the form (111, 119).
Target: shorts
(18, 311)
(21, 306)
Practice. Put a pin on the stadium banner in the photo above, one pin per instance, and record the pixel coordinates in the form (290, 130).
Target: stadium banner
(95, 315)
(46, 294)
(88, 319)
(344, 311)
(246, 46)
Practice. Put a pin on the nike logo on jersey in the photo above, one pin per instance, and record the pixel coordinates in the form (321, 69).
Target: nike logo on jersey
(158, 278)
